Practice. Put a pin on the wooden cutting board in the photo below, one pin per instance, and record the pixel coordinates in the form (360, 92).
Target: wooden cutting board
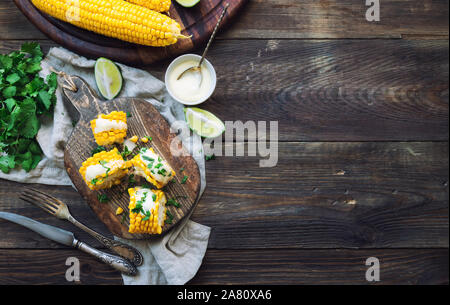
(198, 21)
(144, 120)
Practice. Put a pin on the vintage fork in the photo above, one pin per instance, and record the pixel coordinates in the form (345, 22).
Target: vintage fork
(59, 209)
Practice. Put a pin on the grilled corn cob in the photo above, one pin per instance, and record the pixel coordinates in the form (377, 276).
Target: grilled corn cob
(104, 169)
(115, 18)
(110, 128)
(155, 5)
(152, 167)
(147, 210)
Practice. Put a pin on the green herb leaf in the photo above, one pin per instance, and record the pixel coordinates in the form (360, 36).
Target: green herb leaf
(169, 218)
(24, 98)
(173, 202)
(209, 158)
(97, 150)
(103, 198)
(185, 178)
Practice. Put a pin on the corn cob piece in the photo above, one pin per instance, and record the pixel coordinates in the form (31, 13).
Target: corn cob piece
(115, 18)
(104, 169)
(152, 167)
(110, 128)
(155, 5)
(147, 210)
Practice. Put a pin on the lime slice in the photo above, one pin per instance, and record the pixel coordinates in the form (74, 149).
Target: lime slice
(108, 78)
(203, 122)
(188, 3)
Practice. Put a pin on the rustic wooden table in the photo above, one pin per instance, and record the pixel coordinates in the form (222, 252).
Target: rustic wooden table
(363, 154)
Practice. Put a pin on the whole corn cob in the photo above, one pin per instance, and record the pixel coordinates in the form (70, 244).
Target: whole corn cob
(104, 169)
(147, 210)
(110, 128)
(155, 5)
(115, 18)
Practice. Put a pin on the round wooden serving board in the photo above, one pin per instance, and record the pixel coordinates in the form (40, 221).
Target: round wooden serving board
(198, 21)
(144, 120)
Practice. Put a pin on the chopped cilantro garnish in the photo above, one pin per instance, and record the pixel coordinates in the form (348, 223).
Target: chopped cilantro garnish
(185, 178)
(147, 158)
(181, 169)
(129, 115)
(147, 216)
(146, 185)
(162, 171)
(154, 197)
(103, 164)
(169, 218)
(173, 202)
(97, 150)
(103, 198)
(208, 158)
(125, 152)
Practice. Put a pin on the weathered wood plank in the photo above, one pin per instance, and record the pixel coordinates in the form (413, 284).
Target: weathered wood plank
(339, 19)
(399, 266)
(378, 90)
(320, 195)
(299, 19)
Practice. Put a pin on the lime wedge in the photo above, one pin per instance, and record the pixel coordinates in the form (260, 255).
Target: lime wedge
(203, 122)
(108, 78)
(188, 3)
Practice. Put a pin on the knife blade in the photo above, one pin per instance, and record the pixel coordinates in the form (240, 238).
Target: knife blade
(56, 234)
(68, 238)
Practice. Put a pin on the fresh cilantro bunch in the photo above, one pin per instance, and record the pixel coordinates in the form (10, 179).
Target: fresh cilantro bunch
(24, 97)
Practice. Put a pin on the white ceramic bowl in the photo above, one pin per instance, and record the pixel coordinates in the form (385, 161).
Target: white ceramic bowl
(183, 58)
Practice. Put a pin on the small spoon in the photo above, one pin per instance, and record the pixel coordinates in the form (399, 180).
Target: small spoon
(198, 68)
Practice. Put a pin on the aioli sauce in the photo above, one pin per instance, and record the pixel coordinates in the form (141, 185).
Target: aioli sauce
(187, 88)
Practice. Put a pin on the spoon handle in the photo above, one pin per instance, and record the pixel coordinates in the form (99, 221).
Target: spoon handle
(213, 34)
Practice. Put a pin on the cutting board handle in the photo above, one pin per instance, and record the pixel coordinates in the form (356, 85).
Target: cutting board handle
(81, 96)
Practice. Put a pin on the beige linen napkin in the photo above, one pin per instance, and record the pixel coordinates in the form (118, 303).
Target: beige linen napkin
(176, 257)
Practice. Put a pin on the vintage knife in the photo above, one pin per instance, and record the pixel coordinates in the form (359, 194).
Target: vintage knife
(67, 238)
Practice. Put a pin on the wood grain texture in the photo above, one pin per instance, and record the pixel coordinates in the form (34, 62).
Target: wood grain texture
(144, 120)
(197, 22)
(277, 19)
(377, 90)
(224, 267)
(340, 19)
(320, 195)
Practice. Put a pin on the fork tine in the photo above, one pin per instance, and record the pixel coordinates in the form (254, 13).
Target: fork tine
(39, 200)
(38, 203)
(47, 198)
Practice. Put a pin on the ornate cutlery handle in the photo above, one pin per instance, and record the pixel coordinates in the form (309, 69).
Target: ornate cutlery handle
(116, 262)
(118, 247)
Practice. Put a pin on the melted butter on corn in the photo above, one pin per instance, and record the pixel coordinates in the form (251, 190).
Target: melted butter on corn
(97, 170)
(104, 169)
(110, 128)
(107, 125)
